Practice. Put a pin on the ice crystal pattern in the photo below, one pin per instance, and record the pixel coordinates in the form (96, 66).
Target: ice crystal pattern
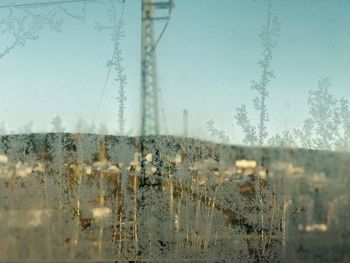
(79, 197)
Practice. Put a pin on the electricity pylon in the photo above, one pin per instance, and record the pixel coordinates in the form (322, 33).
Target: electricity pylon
(149, 81)
(152, 11)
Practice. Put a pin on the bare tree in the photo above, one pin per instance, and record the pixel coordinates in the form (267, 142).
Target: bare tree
(117, 34)
(103, 130)
(250, 136)
(343, 143)
(2, 128)
(286, 139)
(217, 133)
(321, 129)
(57, 124)
(80, 126)
(268, 36)
(304, 135)
(27, 128)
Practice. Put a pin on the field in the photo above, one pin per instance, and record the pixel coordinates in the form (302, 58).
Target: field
(79, 197)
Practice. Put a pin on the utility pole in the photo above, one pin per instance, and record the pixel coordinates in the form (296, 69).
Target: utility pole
(185, 123)
(152, 11)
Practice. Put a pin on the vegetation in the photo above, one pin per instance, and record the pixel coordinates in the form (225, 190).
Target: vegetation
(258, 134)
(81, 196)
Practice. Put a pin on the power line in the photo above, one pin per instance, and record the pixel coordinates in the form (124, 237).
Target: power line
(167, 18)
(38, 4)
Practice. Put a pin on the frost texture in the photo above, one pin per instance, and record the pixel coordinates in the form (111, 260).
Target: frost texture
(217, 133)
(268, 36)
(79, 197)
(21, 24)
(116, 26)
(327, 127)
(286, 139)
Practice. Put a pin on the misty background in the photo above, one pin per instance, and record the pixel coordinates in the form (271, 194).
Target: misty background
(207, 60)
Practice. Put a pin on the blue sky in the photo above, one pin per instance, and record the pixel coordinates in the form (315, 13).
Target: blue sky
(206, 62)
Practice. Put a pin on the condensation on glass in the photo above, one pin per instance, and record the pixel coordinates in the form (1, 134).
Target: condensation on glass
(81, 178)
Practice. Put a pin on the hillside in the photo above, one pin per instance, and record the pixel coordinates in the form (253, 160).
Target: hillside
(79, 197)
